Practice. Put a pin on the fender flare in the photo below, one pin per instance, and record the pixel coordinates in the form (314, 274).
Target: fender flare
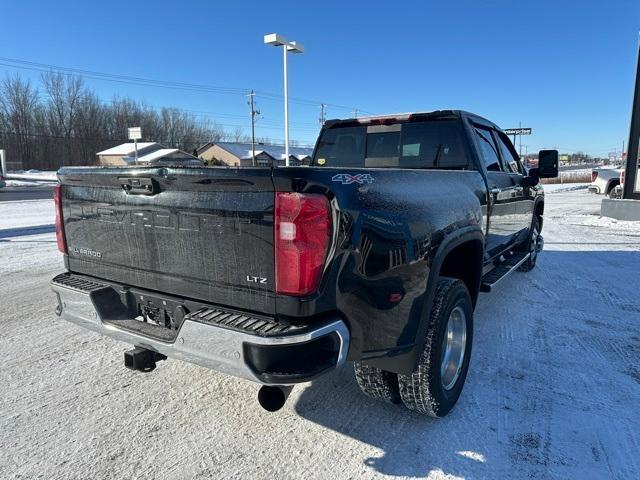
(453, 240)
(609, 186)
(406, 362)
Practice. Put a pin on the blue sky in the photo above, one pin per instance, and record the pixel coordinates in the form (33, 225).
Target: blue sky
(564, 68)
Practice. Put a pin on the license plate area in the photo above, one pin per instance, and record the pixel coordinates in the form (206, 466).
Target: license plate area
(159, 312)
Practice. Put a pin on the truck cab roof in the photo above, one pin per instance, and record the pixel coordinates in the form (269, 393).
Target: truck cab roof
(408, 117)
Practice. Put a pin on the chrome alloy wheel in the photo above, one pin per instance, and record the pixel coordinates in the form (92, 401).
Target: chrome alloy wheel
(536, 243)
(454, 345)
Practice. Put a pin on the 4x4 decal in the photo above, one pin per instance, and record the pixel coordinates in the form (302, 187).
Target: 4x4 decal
(347, 179)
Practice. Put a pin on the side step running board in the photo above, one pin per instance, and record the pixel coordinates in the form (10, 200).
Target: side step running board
(491, 279)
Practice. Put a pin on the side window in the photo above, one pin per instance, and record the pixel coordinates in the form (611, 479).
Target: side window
(488, 149)
(508, 155)
(432, 144)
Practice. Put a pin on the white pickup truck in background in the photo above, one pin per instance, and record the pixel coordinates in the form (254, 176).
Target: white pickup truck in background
(605, 181)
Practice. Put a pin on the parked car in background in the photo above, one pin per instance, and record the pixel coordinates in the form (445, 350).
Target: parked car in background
(618, 189)
(605, 180)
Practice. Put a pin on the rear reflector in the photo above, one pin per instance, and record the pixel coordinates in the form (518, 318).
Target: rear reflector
(622, 177)
(60, 238)
(594, 175)
(302, 233)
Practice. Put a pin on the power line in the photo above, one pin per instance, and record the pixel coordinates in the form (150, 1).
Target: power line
(149, 82)
(107, 138)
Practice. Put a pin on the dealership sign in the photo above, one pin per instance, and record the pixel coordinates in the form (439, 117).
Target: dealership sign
(517, 131)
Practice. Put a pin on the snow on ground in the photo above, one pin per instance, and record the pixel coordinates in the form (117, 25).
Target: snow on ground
(25, 214)
(24, 183)
(564, 187)
(38, 175)
(553, 389)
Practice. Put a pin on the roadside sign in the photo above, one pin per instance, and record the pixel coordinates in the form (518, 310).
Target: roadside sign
(517, 131)
(135, 133)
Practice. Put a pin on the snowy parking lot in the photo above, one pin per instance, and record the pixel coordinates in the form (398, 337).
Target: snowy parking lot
(553, 390)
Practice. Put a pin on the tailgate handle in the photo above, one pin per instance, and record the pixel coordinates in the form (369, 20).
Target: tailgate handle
(139, 185)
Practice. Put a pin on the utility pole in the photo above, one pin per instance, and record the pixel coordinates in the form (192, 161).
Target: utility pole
(355, 113)
(322, 115)
(253, 114)
(520, 126)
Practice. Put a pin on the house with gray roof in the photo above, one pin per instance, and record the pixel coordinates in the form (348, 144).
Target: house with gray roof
(240, 154)
(148, 152)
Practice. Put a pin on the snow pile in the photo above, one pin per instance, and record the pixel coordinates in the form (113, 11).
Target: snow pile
(36, 175)
(27, 183)
(566, 187)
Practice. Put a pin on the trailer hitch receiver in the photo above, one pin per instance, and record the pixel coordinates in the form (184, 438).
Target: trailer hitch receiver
(141, 359)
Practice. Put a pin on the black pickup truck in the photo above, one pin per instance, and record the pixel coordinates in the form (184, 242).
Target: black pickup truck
(375, 253)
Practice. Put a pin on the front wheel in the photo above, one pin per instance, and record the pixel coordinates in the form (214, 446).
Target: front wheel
(534, 246)
(436, 385)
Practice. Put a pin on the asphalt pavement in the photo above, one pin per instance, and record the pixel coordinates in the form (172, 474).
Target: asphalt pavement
(12, 194)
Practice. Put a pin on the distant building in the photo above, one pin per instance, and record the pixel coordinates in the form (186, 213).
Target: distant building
(148, 152)
(116, 155)
(240, 154)
(160, 155)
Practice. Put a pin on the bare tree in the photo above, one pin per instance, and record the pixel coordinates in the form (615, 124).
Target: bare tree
(18, 102)
(238, 136)
(69, 123)
(64, 94)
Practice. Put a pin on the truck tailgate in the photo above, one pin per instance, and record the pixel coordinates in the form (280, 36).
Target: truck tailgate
(201, 233)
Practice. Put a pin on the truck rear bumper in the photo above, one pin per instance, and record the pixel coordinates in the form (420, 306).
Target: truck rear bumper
(228, 342)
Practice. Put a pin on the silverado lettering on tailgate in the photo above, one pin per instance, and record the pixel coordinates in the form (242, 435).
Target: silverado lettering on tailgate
(158, 219)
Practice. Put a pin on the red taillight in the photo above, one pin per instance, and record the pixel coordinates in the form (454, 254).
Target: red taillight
(622, 177)
(302, 234)
(594, 175)
(60, 238)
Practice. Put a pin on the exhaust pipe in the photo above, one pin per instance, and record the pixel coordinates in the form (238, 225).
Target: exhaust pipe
(272, 398)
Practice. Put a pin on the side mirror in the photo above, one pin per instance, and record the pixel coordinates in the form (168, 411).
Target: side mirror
(548, 163)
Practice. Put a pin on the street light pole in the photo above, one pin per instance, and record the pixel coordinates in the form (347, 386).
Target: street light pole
(287, 47)
(286, 108)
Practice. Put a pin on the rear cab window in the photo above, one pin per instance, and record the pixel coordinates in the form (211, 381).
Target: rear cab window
(431, 143)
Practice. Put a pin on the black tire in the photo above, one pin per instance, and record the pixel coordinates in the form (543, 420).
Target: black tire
(423, 390)
(377, 383)
(531, 247)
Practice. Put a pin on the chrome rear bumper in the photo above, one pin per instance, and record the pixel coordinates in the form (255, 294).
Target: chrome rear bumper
(90, 304)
